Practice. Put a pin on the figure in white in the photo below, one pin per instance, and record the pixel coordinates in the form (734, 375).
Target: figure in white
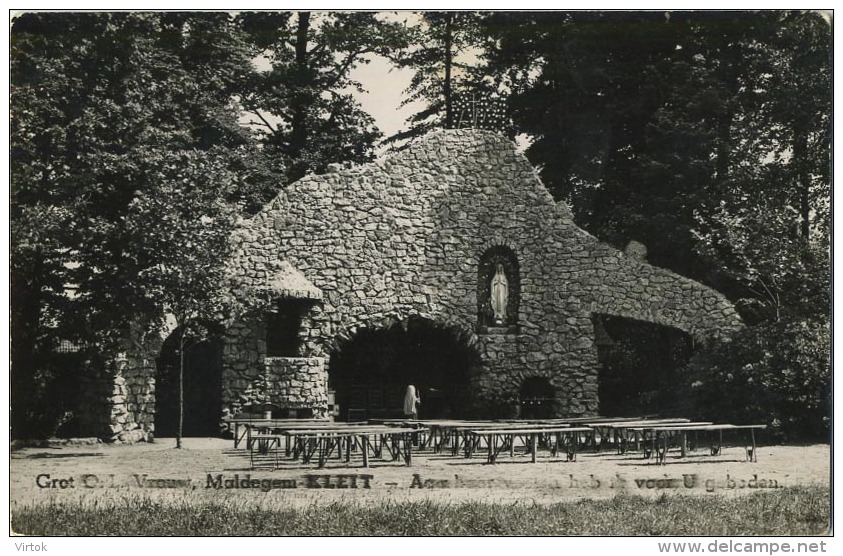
(411, 403)
(500, 295)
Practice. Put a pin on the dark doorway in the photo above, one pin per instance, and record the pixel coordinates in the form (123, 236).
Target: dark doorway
(202, 388)
(370, 373)
(537, 397)
(639, 364)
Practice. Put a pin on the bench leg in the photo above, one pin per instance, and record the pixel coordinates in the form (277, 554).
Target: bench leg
(365, 441)
(751, 451)
(718, 447)
(571, 451)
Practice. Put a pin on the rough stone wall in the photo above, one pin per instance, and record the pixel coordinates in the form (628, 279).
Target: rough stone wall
(300, 382)
(133, 399)
(402, 237)
(120, 401)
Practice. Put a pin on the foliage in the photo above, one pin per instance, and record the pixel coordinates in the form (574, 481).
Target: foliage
(759, 246)
(787, 511)
(776, 373)
(176, 235)
(449, 76)
(99, 102)
(304, 104)
(46, 402)
(646, 121)
(123, 142)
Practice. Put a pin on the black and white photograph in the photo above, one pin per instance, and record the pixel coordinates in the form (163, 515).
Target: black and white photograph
(486, 273)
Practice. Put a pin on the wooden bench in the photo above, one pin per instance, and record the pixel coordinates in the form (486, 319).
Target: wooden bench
(561, 437)
(660, 438)
(397, 442)
(257, 425)
(620, 432)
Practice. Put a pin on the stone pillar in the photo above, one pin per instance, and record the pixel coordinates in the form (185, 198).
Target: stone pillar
(131, 400)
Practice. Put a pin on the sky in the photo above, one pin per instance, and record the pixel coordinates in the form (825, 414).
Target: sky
(385, 85)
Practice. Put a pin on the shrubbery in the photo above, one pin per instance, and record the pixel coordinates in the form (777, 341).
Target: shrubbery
(46, 397)
(776, 373)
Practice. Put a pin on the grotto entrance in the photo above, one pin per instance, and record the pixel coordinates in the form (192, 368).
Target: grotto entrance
(370, 372)
(202, 388)
(537, 397)
(639, 367)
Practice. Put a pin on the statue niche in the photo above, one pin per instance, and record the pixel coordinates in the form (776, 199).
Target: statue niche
(499, 295)
(498, 291)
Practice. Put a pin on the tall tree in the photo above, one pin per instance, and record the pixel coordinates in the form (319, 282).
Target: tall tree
(445, 56)
(646, 121)
(770, 231)
(796, 109)
(304, 103)
(178, 231)
(94, 97)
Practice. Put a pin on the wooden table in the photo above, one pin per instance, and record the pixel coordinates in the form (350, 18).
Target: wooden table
(621, 431)
(465, 435)
(341, 440)
(263, 443)
(660, 438)
(258, 425)
(563, 437)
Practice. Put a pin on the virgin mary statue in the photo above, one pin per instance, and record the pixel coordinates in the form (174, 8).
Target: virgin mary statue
(500, 295)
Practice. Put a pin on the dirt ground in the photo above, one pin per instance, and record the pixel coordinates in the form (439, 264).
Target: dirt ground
(208, 469)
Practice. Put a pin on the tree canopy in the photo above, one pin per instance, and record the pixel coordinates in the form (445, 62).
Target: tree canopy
(118, 117)
(305, 104)
(648, 123)
(450, 76)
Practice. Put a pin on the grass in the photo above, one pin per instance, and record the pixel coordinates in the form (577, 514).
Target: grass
(789, 511)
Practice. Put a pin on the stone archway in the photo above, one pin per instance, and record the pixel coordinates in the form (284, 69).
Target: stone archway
(370, 371)
(202, 388)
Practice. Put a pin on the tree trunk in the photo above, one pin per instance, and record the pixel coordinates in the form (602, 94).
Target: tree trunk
(181, 390)
(449, 39)
(729, 74)
(724, 146)
(300, 99)
(26, 300)
(802, 180)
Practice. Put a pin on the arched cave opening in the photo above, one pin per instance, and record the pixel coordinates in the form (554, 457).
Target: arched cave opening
(537, 397)
(639, 366)
(202, 388)
(370, 372)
